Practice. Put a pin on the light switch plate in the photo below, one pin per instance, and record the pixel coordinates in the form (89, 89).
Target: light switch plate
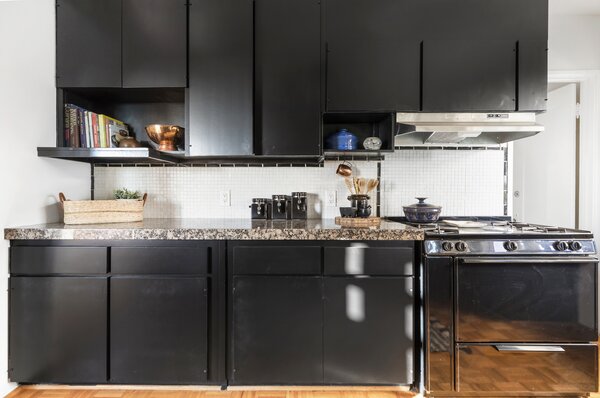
(225, 198)
(331, 199)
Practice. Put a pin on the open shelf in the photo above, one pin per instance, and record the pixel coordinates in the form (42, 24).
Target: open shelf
(362, 125)
(109, 155)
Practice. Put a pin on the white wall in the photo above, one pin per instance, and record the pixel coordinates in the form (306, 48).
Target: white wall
(574, 42)
(28, 184)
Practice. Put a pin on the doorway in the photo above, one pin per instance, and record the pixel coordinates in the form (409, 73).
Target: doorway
(546, 171)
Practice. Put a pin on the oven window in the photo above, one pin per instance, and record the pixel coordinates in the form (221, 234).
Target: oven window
(526, 301)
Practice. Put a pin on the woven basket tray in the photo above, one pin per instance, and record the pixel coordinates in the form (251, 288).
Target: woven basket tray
(102, 211)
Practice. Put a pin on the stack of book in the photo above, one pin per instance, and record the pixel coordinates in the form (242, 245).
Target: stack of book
(86, 129)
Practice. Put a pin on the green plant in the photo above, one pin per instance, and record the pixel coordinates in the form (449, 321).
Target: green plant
(124, 193)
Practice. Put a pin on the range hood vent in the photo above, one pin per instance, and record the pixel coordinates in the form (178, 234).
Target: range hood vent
(422, 129)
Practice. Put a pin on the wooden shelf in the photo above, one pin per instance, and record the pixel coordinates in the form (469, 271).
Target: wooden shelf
(108, 155)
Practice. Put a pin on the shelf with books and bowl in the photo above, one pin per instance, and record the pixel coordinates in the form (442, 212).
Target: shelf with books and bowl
(91, 123)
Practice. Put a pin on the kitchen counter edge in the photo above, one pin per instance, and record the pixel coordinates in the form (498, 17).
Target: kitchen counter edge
(206, 229)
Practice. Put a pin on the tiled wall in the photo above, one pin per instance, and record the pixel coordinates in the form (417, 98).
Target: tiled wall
(463, 182)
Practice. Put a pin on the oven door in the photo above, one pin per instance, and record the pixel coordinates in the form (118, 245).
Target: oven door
(526, 299)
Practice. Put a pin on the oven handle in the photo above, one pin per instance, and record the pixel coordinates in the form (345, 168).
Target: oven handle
(528, 260)
(529, 348)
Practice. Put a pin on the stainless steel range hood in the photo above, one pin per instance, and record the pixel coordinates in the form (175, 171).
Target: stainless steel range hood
(421, 129)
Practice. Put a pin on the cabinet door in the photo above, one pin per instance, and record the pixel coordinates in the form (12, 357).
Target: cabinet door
(287, 97)
(368, 335)
(158, 330)
(373, 56)
(469, 76)
(533, 75)
(277, 330)
(88, 43)
(57, 329)
(154, 43)
(220, 77)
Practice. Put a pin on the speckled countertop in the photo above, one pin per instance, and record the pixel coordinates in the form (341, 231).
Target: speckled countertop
(215, 229)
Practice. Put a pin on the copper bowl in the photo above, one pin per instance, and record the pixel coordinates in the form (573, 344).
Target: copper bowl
(166, 136)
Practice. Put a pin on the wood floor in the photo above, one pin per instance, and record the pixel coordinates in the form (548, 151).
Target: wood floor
(25, 392)
(94, 392)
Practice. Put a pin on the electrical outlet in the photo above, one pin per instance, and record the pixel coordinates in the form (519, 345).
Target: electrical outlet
(225, 198)
(331, 199)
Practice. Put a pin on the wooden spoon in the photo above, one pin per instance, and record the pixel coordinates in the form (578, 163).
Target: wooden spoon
(348, 182)
(371, 185)
(362, 186)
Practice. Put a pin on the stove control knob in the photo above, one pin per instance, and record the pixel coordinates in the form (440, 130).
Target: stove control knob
(561, 245)
(447, 246)
(575, 245)
(460, 246)
(511, 246)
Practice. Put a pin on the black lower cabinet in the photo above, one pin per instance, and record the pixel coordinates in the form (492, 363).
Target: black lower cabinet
(158, 330)
(277, 330)
(57, 329)
(368, 333)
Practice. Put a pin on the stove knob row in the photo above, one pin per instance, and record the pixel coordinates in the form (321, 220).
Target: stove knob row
(561, 245)
(460, 246)
(447, 246)
(511, 246)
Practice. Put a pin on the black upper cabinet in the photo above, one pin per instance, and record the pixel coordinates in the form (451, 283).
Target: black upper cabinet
(469, 76)
(121, 43)
(154, 43)
(287, 77)
(58, 329)
(483, 56)
(533, 75)
(373, 56)
(220, 77)
(88, 43)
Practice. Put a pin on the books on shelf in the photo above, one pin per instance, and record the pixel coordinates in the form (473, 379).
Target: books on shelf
(86, 129)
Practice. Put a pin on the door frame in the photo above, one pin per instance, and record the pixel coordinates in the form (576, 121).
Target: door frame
(589, 146)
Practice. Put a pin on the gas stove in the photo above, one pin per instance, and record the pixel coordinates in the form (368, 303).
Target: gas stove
(500, 236)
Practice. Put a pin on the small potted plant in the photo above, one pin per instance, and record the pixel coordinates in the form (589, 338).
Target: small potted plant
(124, 193)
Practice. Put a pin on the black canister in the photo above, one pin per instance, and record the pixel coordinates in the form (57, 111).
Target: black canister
(260, 208)
(280, 208)
(360, 204)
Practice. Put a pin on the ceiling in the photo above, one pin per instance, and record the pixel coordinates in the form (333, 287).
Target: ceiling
(574, 7)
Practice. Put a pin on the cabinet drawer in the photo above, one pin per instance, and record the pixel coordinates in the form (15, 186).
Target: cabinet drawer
(277, 260)
(160, 260)
(518, 368)
(363, 260)
(45, 260)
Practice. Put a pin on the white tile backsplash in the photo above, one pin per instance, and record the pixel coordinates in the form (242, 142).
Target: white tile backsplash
(463, 182)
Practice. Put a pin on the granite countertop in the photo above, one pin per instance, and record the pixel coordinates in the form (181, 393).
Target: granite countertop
(215, 229)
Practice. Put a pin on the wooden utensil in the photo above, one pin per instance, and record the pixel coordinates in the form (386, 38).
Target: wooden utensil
(362, 186)
(371, 185)
(348, 183)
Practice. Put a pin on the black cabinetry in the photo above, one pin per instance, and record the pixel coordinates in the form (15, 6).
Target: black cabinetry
(88, 43)
(127, 313)
(158, 330)
(321, 313)
(368, 331)
(373, 55)
(470, 76)
(221, 62)
(58, 315)
(154, 43)
(287, 77)
(277, 330)
(121, 43)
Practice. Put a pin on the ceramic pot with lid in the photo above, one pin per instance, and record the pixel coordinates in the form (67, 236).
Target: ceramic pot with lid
(422, 212)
